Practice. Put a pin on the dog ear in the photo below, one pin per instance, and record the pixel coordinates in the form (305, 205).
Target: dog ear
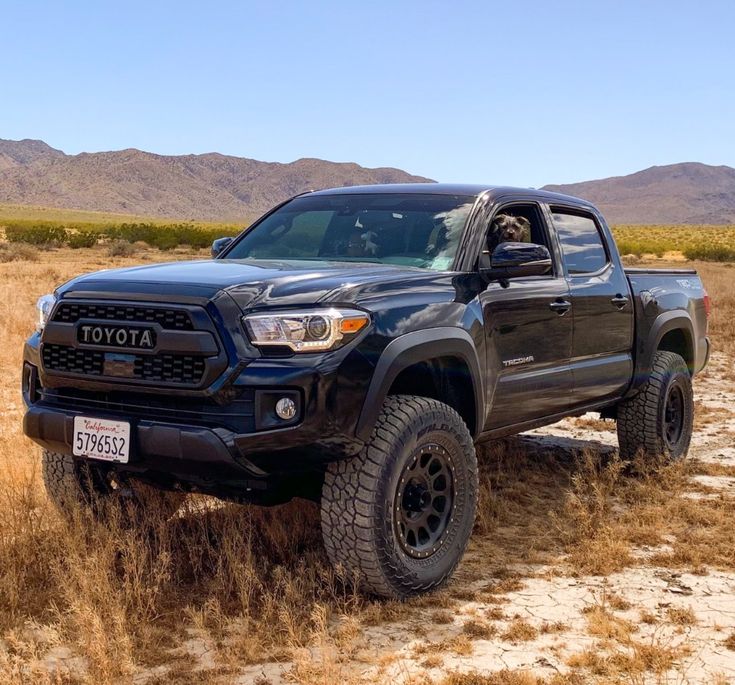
(499, 223)
(525, 225)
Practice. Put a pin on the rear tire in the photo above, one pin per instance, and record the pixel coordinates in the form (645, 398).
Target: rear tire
(658, 420)
(399, 514)
(73, 483)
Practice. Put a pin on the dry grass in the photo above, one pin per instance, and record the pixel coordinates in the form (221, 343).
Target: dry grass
(629, 661)
(681, 616)
(648, 617)
(18, 252)
(604, 624)
(495, 614)
(121, 248)
(254, 584)
(442, 617)
(718, 280)
(476, 629)
(498, 678)
(248, 579)
(461, 645)
(519, 630)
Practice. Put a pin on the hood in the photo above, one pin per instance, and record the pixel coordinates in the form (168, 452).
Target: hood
(250, 283)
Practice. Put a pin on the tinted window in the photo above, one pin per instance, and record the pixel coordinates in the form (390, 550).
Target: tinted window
(581, 243)
(408, 230)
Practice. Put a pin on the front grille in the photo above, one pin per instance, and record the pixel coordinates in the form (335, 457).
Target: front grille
(171, 368)
(238, 415)
(171, 319)
(71, 360)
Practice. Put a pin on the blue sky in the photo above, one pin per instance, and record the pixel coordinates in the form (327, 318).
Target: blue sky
(523, 93)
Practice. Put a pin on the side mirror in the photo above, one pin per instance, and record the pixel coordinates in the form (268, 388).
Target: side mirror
(512, 260)
(219, 245)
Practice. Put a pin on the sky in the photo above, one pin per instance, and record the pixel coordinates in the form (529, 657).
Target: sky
(518, 93)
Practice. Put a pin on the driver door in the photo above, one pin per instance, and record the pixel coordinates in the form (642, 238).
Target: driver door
(528, 328)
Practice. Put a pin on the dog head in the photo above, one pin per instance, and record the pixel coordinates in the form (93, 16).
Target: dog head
(506, 228)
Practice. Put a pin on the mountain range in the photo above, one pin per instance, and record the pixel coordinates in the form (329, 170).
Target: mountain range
(687, 193)
(212, 187)
(217, 187)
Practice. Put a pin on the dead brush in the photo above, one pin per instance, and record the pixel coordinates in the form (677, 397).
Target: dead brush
(519, 630)
(120, 594)
(18, 252)
(504, 677)
(590, 508)
(521, 485)
(478, 630)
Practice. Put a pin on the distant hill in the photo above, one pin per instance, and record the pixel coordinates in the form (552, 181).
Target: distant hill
(687, 193)
(211, 187)
(216, 187)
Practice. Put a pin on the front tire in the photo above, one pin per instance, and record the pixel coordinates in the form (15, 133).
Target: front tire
(399, 514)
(72, 483)
(658, 420)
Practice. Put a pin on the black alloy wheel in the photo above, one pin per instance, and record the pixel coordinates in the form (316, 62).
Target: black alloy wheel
(425, 501)
(674, 416)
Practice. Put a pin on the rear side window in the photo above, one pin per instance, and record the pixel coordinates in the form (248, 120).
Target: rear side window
(581, 242)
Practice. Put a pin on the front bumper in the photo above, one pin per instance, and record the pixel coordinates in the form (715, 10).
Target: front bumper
(227, 442)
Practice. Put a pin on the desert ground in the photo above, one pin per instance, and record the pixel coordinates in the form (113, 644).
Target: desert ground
(581, 569)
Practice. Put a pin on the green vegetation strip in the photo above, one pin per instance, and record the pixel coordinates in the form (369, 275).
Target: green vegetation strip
(709, 243)
(162, 236)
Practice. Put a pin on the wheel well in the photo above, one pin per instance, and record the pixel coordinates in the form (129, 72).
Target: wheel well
(447, 379)
(677, 341)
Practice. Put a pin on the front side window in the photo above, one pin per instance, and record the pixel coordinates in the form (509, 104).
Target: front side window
(408, 229)
(581, 242)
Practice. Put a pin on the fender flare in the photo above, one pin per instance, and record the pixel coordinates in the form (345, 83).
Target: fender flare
(665, 323)
(410, 349)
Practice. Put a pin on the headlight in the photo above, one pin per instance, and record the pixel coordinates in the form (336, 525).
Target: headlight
(44, 305)
(315, 330)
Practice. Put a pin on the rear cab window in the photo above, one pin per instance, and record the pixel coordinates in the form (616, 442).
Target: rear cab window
(581, 241)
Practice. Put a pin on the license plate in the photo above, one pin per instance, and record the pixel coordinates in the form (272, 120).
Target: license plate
(101, 439)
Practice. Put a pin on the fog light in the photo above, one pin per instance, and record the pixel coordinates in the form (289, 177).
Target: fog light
(286, 408)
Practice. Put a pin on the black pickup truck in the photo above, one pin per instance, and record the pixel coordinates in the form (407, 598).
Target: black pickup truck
(351, 347)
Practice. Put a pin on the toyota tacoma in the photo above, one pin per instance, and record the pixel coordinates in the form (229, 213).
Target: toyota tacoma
(351, 347)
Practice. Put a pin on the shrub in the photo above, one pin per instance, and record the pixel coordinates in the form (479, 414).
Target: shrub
(711, 253)
(83, 239)
(165, 241)
(36, 235)
(18, 252)
(165, 236)
(133, 233)
(78, 235)
(121, 248)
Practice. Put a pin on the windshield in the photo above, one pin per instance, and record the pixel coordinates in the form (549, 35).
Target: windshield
(404, 229)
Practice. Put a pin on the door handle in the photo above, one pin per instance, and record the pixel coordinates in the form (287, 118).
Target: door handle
(619, 301)
(560, 306)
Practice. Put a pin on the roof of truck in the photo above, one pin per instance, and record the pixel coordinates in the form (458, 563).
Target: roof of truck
(451, 189)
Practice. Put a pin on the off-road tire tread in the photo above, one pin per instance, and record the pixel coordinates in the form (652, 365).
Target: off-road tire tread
(350, 508)
(67, 487)
(638, 418)
(61, 478)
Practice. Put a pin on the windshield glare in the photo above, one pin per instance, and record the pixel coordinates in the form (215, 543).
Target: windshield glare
(404, 229)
